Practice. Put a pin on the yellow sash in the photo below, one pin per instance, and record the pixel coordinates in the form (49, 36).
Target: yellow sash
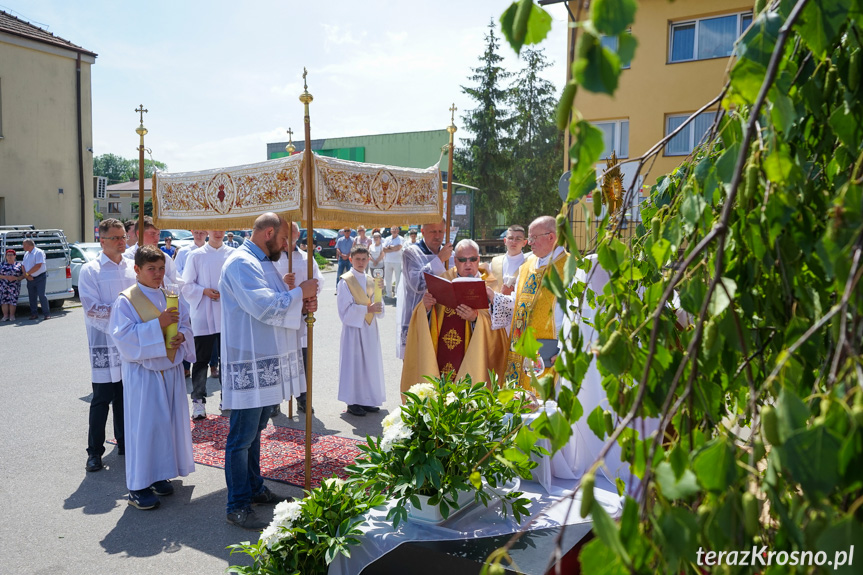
(361, 297)
(147, 312)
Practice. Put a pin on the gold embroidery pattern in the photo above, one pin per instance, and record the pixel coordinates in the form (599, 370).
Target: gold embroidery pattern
(448, 311)
(448, 368)
(452, 339)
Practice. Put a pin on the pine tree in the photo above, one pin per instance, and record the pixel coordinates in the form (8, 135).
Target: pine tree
(537, 152)
(484, 160)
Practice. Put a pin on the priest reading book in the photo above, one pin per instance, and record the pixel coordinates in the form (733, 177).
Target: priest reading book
(450, 329)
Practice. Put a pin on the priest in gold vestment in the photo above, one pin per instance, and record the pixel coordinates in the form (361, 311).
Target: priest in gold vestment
(532, 305)
(459, 341)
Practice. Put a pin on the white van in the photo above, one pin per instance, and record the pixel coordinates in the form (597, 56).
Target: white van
(58, 286)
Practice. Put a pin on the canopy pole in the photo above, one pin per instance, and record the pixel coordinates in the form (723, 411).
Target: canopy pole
(141, 131)
(290, 149)
(308, 159)
(452, 130)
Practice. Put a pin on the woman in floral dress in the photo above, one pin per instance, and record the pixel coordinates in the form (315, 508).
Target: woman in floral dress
(11, 274)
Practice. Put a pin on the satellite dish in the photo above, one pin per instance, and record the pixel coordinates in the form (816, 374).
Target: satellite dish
(563, 185)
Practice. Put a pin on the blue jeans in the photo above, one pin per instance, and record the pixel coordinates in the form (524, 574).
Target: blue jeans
(344, 266)
(36, 293)
(243, 456)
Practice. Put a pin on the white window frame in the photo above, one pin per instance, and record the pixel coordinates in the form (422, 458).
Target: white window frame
(690, 127)
(615, 137)
(616, 49)
(697, 23)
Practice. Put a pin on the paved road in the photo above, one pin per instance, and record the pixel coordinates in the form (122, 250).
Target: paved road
(59, 519)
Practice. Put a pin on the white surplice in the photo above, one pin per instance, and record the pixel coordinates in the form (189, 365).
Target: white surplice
(416, 260)
(261, 359)
(156, 409)
(171, 274)
(503, 306)
(182, 256)
(99, 284)
(202, 271)
(361, 364)
(301, 269)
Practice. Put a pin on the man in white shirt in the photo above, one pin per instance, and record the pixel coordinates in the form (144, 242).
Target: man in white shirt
(131, 232)
(301, 273)
(36, 274)
(200, 289)
(505, 266)
(99, 284)
(200, 237)
(393, 246)
(260, 361)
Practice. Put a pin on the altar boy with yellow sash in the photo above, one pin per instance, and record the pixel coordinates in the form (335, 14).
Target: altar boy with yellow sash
(153, 339)
(361, 365)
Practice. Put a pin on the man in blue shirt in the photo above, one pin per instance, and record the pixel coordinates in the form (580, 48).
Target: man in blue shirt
(343, 252)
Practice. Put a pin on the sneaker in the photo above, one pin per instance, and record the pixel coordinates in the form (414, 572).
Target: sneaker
(162, 487)
(246, 519)
(356, 410)
(199, 411)
(143, 499)
(267, 497)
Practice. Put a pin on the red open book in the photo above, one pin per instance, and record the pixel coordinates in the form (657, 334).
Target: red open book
(467, 291)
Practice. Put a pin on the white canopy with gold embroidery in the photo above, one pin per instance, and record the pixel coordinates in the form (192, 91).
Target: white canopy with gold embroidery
(345, 193)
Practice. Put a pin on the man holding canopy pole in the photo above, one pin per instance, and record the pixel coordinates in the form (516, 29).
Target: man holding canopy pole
(261, 362)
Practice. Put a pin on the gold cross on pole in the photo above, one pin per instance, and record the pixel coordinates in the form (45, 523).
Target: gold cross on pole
(290, 134)
(141, 110)
(453, 110)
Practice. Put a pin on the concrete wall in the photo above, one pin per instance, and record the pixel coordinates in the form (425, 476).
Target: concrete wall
(39, 145)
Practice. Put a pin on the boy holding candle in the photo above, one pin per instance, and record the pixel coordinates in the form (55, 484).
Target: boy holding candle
(361, 365)
(153, 337)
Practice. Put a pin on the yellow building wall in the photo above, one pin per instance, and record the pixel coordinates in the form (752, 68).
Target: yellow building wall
(652, 88)
(39, 145)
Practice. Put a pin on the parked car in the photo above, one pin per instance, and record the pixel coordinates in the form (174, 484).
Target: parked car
(325, 241)
(58, 286)
(179, 238)
(81, 253)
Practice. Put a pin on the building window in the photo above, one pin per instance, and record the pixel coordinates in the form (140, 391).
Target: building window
(134, 208)
(707, 37)
(691, 136)
(612, 43)
(113, 207)
(615, 137)
(113, 196)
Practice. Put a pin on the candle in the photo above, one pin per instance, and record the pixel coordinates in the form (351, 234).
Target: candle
(172, 299)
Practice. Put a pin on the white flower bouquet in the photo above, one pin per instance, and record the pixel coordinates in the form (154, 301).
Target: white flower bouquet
(448, 438)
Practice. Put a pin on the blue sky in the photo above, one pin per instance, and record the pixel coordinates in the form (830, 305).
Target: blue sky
(221, 79)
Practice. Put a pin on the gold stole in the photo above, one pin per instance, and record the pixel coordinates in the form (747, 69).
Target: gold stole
(147, 312)
(534, 307)
(361, 297)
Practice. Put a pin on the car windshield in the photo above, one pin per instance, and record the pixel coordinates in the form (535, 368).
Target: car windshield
(181, 234)
(92, 252)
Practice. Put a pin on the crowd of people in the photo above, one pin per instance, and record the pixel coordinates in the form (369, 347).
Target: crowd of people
(149, 311)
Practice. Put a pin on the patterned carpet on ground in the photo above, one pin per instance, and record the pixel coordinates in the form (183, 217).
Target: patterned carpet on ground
(282, 451)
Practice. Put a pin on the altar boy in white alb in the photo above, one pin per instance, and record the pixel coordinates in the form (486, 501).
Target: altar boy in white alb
(361, 365)
(261, 363)
(158, 434)
(201, 290)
